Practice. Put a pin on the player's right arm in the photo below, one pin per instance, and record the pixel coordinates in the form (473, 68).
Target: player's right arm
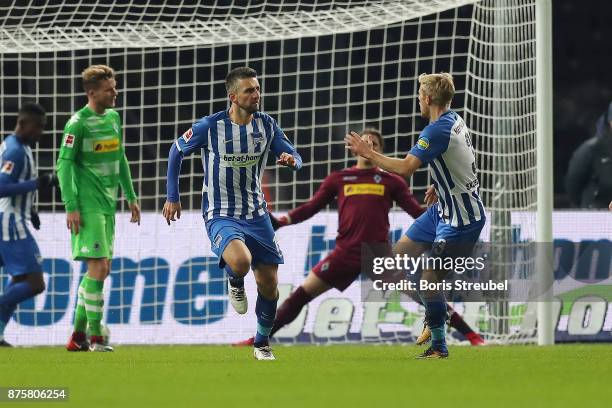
(430, 145)
(71, 146)
(404, 167)
(194, 138)
(324, 195)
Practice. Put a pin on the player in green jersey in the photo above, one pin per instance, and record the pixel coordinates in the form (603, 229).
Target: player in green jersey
(91, 166)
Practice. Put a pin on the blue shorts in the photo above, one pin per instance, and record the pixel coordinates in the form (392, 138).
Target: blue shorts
(257, 234)
(428, 229)
(21, 256)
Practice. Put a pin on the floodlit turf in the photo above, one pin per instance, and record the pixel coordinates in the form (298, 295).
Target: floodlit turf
(317, 377)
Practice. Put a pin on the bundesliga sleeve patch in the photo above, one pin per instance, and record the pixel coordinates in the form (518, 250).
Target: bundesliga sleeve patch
(423, 143)
(69, 140)
(187, 135)
(7, 167)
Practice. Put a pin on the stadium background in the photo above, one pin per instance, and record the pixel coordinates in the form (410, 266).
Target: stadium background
(581, 85)
(162, 92)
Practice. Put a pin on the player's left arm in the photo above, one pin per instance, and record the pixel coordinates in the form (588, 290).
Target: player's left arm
(405, 199)
(284, 150)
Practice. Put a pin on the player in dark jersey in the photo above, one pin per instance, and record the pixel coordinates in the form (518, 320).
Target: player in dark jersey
(361, 189)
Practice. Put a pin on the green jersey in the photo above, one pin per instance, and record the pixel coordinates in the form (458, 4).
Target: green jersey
(92, 163)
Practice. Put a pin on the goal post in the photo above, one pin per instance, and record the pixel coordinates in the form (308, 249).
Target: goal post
(325, 68)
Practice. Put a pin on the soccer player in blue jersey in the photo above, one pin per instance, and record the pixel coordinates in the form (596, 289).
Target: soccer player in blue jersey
(19, 253)
(459, 215)
(235, 145)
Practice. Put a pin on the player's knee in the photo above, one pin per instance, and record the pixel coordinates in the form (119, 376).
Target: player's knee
(267, 283)
(37, 283)
(39, 287)
(240, 265)
(98, 269)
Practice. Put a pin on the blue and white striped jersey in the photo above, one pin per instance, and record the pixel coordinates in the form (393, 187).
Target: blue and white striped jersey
(234, 157)
(446, 145)
(17, 166)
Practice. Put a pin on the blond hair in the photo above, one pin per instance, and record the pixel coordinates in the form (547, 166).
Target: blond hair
(439, 86)
(93, 75)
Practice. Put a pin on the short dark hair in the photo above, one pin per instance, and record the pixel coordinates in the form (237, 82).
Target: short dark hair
(31, 110)
(236, 74)
(374, 132)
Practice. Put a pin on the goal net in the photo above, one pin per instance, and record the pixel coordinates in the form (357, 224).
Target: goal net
(325, 68)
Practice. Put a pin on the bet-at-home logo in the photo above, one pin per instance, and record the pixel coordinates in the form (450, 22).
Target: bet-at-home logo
(240, 159)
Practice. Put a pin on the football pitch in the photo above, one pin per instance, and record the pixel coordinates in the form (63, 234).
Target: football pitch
(317, 376)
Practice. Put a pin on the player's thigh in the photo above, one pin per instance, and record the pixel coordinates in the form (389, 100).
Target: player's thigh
(94, 240)
(338, 269)
(261, 241)
(21, 257)
(237, 256)
(406, 246)
(227, 242)
(315, 286)
(109, 229)
(456, 241)
(423, 230)
(36, 281)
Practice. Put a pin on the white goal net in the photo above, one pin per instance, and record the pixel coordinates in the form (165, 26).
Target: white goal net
(325, 67)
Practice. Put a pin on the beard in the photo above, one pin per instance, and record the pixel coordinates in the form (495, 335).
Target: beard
(252, 108)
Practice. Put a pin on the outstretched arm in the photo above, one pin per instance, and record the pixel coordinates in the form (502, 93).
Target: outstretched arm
(404, 167)
(406, 200)
(324, 195)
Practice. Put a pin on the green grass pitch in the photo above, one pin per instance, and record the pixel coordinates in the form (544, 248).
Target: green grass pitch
(323, 376)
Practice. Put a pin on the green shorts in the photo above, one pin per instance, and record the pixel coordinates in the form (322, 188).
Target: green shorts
(95, 237)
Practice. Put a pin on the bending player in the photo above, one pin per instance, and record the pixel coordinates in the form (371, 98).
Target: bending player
(90, 167)
(459, 215)
(19, 252)
(235, 145)
(361, 189)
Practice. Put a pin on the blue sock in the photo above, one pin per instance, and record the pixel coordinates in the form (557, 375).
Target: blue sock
(14, 293)
(438, 338)
(435, 316)
(265, 310)
(234, 280)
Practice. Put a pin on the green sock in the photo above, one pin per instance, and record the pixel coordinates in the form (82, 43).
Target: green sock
(94, 301)
(80, 316)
